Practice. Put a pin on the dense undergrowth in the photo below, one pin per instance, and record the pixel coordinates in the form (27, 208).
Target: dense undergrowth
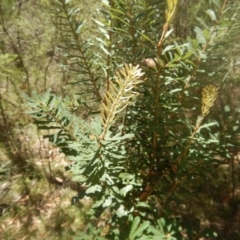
(140, 99)
(35, 191)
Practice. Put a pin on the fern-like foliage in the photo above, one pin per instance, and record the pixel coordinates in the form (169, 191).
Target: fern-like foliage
(136, 164)
(51, 113)
(119, 94)
(79, 51)
(99, 156)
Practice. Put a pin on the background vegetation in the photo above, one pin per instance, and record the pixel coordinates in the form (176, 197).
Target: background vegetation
(189, 155)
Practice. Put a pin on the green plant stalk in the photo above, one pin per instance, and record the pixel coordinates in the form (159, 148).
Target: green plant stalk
(196, 128)
(172, 4)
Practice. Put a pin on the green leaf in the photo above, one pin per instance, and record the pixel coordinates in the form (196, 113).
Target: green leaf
(99, 23)
(168, 33)
(93, 189)
(156, 232)
(104, 50)
(78, 178)
(98, 204)
(107, 202)
(207, 125)
(105, 2)
(145, 37)
(134, 227)
(121, 212)
(126, 176)
(235, 128)
(168, 48)
(176, 90)
(227, 108)
(217, 3)
(161, 224)
(211, 14)
(143, 204)
(80, 26)
(126, 189)
(139, 231)
(200, 36)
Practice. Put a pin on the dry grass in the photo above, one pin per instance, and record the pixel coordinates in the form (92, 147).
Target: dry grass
(35, 203)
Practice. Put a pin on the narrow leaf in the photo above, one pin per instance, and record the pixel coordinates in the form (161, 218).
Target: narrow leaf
(211, 14)
(141, 229)
(134, 227)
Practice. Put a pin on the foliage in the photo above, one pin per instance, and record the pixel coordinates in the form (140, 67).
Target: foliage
(32, 202)
(149, 138)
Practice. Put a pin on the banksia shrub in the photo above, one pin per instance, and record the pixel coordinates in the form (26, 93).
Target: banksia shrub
(149, 139)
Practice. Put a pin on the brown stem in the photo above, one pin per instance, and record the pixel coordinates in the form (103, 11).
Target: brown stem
(79, 48)
(15, 49)
(149, 188)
